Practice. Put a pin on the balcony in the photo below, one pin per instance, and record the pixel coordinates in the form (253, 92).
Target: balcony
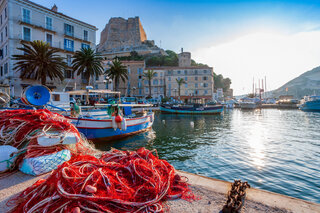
(36, 25)
(71, 36)
(55, 45)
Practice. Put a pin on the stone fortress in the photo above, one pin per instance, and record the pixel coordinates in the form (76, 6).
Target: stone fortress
(122, 36)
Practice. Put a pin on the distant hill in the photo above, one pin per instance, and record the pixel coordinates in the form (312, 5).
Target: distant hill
(306, 84)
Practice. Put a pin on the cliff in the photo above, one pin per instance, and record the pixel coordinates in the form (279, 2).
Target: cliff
(120, 33)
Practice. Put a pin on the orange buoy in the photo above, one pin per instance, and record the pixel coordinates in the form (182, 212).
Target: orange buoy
(118, 119)
(76, 210)
(91, 189)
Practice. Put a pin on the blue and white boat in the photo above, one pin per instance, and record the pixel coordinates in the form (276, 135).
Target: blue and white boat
(192, 109)
(310, 104)
(104, 129)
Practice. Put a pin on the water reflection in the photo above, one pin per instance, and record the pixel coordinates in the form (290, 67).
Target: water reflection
(276, 150)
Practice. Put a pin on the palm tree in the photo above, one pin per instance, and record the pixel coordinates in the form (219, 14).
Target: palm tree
(87, 63)
(180, 82)
(39, 61)
(116, 72)
(149, 75)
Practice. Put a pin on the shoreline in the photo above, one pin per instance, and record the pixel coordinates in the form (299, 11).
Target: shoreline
(212, 192)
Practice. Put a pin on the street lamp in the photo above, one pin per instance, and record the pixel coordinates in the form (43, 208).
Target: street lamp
(133, 89)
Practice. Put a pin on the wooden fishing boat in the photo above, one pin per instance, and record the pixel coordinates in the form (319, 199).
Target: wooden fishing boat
(100, 130)
(192, 109)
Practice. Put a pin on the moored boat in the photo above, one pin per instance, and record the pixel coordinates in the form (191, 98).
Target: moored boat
(192, 109)
(99, 130)
(310, 104)
(249, 103)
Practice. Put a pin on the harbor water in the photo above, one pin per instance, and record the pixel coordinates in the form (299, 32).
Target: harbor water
(275, 150)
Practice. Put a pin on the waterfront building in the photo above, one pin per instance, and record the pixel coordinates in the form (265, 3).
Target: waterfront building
(198, 84)
(133, 86)
(22, 21)
(157, 84)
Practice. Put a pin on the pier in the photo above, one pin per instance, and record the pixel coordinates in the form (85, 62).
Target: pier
(212, 193)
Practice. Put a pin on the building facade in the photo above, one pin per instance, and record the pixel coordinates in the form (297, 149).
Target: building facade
(133, 86)
(23, 21)
(157, 86)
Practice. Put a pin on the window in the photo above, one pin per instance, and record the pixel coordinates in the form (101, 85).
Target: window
(155, 82)
(139, 84)
(155, 74)
(186, 92)
(205, 78)
(85, 46)
(206, 92)
(68, 44)
(5, 68)
(179, 72)
(161, 89)
(5, 13)
(6, 30)
(49, 23)
(26, 15)
(196, 72)
(68, 29)
(1, 37)
(49, 39)
(195, 78)
(161, 82)
(185, 78)
(155, 90)
(139, 71)
(196, 85)
(205, 85)
(169, 72)
(169, 78)
(161, 74)
(196, 92)
(85, 35)
(97, 77)
(147, 89)
(68, 73)
(56, 97)
(26, 34)
(204, 71)
(186, 85)
(1, 71)
(186, 72)
(6, 50)
(1, 19)
(69, 60)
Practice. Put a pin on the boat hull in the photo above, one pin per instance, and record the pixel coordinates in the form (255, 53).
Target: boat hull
(248, 105)
(102, 130)
(311, 106)
(180, 110)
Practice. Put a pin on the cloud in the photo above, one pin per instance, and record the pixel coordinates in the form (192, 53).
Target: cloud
(278, 57)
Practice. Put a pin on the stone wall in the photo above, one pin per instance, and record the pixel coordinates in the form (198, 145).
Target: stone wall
(120, 34)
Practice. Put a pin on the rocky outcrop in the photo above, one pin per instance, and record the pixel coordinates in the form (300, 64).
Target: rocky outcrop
(121, 34)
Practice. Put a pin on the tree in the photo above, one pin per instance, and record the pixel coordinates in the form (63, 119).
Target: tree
(87, 63)
(180, 82)
(149, 75)
(116, 72)
(39, 61)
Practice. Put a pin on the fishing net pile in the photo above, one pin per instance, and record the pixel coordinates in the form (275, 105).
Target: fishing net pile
(28, 135)
(118, 181)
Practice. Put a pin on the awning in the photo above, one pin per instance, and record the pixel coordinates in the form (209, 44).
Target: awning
(101, 91)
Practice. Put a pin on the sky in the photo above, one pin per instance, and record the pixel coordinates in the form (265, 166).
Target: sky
(242, 40)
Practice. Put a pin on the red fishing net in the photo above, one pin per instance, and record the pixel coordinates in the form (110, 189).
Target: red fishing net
(119, 181)
(20, 128)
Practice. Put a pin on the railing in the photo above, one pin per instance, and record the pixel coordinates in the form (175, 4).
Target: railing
(36, 24)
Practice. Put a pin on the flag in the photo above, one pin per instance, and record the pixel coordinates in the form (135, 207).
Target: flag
(287, 89)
